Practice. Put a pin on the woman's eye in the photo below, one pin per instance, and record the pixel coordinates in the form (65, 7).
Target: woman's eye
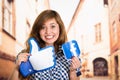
(43, 27)
(53, 26)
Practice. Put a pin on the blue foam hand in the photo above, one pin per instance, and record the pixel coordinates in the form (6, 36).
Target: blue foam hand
(71, 49)
(41, 59)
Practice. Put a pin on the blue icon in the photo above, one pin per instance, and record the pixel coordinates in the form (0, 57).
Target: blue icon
(41, 59)
(71, 49)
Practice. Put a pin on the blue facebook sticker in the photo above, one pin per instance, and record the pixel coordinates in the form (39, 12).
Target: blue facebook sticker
(71, 49)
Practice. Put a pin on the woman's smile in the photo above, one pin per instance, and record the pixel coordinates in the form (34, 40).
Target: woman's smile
(49, 37)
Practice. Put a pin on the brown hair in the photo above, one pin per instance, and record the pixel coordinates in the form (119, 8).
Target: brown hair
(37, 26)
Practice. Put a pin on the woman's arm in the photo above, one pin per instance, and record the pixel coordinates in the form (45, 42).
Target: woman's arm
(73, 75)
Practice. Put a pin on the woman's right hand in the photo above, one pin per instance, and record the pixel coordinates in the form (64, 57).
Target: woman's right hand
(22, 57)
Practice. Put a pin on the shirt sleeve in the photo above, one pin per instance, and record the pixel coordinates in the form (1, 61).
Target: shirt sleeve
(78, 72)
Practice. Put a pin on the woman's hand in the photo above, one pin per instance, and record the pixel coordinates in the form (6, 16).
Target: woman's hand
(75, 63)
(22, 57)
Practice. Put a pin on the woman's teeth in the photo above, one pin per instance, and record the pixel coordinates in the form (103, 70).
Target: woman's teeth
(49, 36)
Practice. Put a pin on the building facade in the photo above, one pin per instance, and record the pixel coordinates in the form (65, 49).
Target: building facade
(114, 22)
(91, 28)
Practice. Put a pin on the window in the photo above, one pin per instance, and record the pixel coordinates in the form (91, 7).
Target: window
(27, 27)
(98, 32)
(114, 28)
(8, 17)
(105, 3)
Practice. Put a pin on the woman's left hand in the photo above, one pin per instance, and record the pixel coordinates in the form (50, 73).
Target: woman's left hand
(75, 63)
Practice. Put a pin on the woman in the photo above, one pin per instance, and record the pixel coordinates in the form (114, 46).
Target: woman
(49, 30)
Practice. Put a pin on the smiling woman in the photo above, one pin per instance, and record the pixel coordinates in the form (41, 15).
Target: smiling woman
(49, 30)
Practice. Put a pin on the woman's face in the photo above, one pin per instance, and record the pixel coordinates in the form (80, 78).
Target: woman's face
(49, 32)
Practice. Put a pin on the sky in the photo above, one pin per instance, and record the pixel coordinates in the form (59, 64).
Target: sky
(65, 8)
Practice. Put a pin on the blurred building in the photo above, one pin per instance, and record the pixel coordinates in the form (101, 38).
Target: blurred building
(97, 30)
(16, 19)
(114, 8)
(91, 29)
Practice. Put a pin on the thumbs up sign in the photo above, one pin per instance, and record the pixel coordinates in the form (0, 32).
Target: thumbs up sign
(41, 58)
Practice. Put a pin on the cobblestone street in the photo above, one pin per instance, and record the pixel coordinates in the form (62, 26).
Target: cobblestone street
(96, 78)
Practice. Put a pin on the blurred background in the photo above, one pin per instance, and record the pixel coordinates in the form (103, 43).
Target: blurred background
(95, 24)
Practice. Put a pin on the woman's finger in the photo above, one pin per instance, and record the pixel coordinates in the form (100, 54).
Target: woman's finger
(75, 63)
(23, 57)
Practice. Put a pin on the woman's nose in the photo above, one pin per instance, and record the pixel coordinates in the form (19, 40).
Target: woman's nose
(48, 30)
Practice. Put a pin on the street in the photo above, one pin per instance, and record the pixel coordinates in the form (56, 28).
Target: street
(96, 78)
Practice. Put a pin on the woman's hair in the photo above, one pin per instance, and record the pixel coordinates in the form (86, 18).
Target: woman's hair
(37, 26)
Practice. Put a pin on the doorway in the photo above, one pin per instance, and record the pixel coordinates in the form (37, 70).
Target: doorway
(100, 67)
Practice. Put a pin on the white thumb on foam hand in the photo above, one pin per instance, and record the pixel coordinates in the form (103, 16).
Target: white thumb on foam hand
(33, 46)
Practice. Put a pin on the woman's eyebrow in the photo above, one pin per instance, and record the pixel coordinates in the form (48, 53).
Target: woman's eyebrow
(53, 23)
